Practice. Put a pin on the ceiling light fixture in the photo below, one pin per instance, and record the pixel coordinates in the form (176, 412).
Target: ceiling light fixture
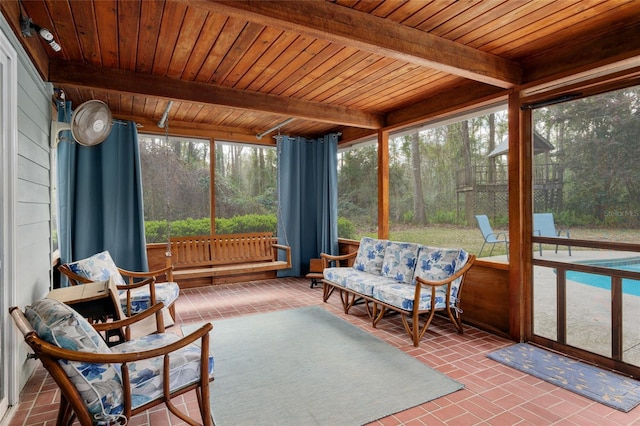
(27, 27)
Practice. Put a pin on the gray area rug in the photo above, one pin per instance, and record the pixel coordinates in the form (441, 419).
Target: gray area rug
(308, 367)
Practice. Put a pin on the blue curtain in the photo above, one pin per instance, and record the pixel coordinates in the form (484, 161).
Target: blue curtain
(308, 198)
(100, 204)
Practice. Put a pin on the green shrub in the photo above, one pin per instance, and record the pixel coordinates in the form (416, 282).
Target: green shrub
(346, 228)
(191, 227)
(252, 223)
(157, 230)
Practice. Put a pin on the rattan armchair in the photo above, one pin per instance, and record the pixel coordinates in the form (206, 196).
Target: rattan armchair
(137, 290)
(102, 385)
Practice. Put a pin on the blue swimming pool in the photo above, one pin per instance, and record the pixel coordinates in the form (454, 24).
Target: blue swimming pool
(602, 281)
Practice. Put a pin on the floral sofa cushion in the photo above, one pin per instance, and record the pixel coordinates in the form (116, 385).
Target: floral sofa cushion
(370, 255)
(146, 375)
(99, 385)
(402, 296)
(437, 264)
(361, 282)
(400, 261)
(101, 266)
(433, 264)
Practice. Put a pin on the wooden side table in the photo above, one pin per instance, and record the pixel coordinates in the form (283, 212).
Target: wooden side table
(91, 300)
(98, 302)
(315, 272)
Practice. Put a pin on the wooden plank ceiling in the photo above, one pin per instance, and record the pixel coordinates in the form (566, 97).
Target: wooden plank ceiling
(236, 68)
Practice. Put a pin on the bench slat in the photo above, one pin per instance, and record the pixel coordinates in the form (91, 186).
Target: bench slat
(225, 254)
(229, 270)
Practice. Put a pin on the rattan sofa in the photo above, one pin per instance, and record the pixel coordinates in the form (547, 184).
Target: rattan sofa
(412, 279)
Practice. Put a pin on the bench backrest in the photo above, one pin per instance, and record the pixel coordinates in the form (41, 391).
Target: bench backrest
(221, 249)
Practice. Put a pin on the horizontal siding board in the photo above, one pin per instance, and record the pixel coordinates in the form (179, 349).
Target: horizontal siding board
(32, 172)
(32, 213)
(29, 192)
(35, 98)
(33, 124)
(32, 150)
(32, 255)
(34, 238)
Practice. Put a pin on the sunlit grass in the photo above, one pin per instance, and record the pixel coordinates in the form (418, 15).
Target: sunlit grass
(471, 240)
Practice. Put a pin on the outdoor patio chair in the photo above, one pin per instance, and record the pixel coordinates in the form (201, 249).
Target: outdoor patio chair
(137, 293)
(101, 385)
(544, 226)
(489, 236)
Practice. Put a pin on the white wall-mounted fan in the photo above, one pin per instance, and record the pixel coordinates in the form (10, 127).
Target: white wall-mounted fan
(90, 124)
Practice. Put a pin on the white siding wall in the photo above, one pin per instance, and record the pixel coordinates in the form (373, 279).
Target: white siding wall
(33, 256)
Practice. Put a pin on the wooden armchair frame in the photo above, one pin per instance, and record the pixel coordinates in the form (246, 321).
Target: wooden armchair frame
(413, 329)
(71, 403)
(134, 280)
(327, 290)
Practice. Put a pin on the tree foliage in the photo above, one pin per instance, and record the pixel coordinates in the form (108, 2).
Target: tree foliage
(598, 143)
(175, 178)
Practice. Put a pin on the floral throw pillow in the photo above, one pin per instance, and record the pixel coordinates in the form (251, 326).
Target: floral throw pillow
(370, 255)
(98, 267)
(400, 261)
(100, 385)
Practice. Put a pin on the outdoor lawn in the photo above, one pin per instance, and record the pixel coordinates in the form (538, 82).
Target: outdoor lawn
(470, 238)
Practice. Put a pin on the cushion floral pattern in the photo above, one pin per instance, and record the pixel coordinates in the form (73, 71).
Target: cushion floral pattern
(356, 280)
(146, 375)
(434, 264)
(437, 264)
(400, 261)
(403, 295)
(101, 266)
(166, 292)
(98, 267)
(395, 281)
(99, 385)
(370, 255)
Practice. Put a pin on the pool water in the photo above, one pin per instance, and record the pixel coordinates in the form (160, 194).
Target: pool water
(629, 286)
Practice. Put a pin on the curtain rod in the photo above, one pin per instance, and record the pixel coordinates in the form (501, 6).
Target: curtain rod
(552, 101)
(276, 127)
(163, 120)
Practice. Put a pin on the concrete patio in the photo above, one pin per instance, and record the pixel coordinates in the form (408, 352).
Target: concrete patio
(588, 307)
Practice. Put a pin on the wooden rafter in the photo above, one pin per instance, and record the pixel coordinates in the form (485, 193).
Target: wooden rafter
(83, 75)
(370, 33)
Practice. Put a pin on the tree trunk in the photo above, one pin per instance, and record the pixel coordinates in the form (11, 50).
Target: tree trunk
(491, 173)
(418, 196)
(468, 169)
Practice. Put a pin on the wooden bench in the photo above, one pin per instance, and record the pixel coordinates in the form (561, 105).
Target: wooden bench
(217, 257)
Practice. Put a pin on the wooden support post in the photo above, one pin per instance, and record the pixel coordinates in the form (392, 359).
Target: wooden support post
(520, 214)
(383, 184)
(212, 184)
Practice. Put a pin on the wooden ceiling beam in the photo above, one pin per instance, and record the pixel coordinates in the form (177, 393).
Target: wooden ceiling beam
(84, 75)
(607, 51)
(455, 99)
(470, 95)
(352, 28)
